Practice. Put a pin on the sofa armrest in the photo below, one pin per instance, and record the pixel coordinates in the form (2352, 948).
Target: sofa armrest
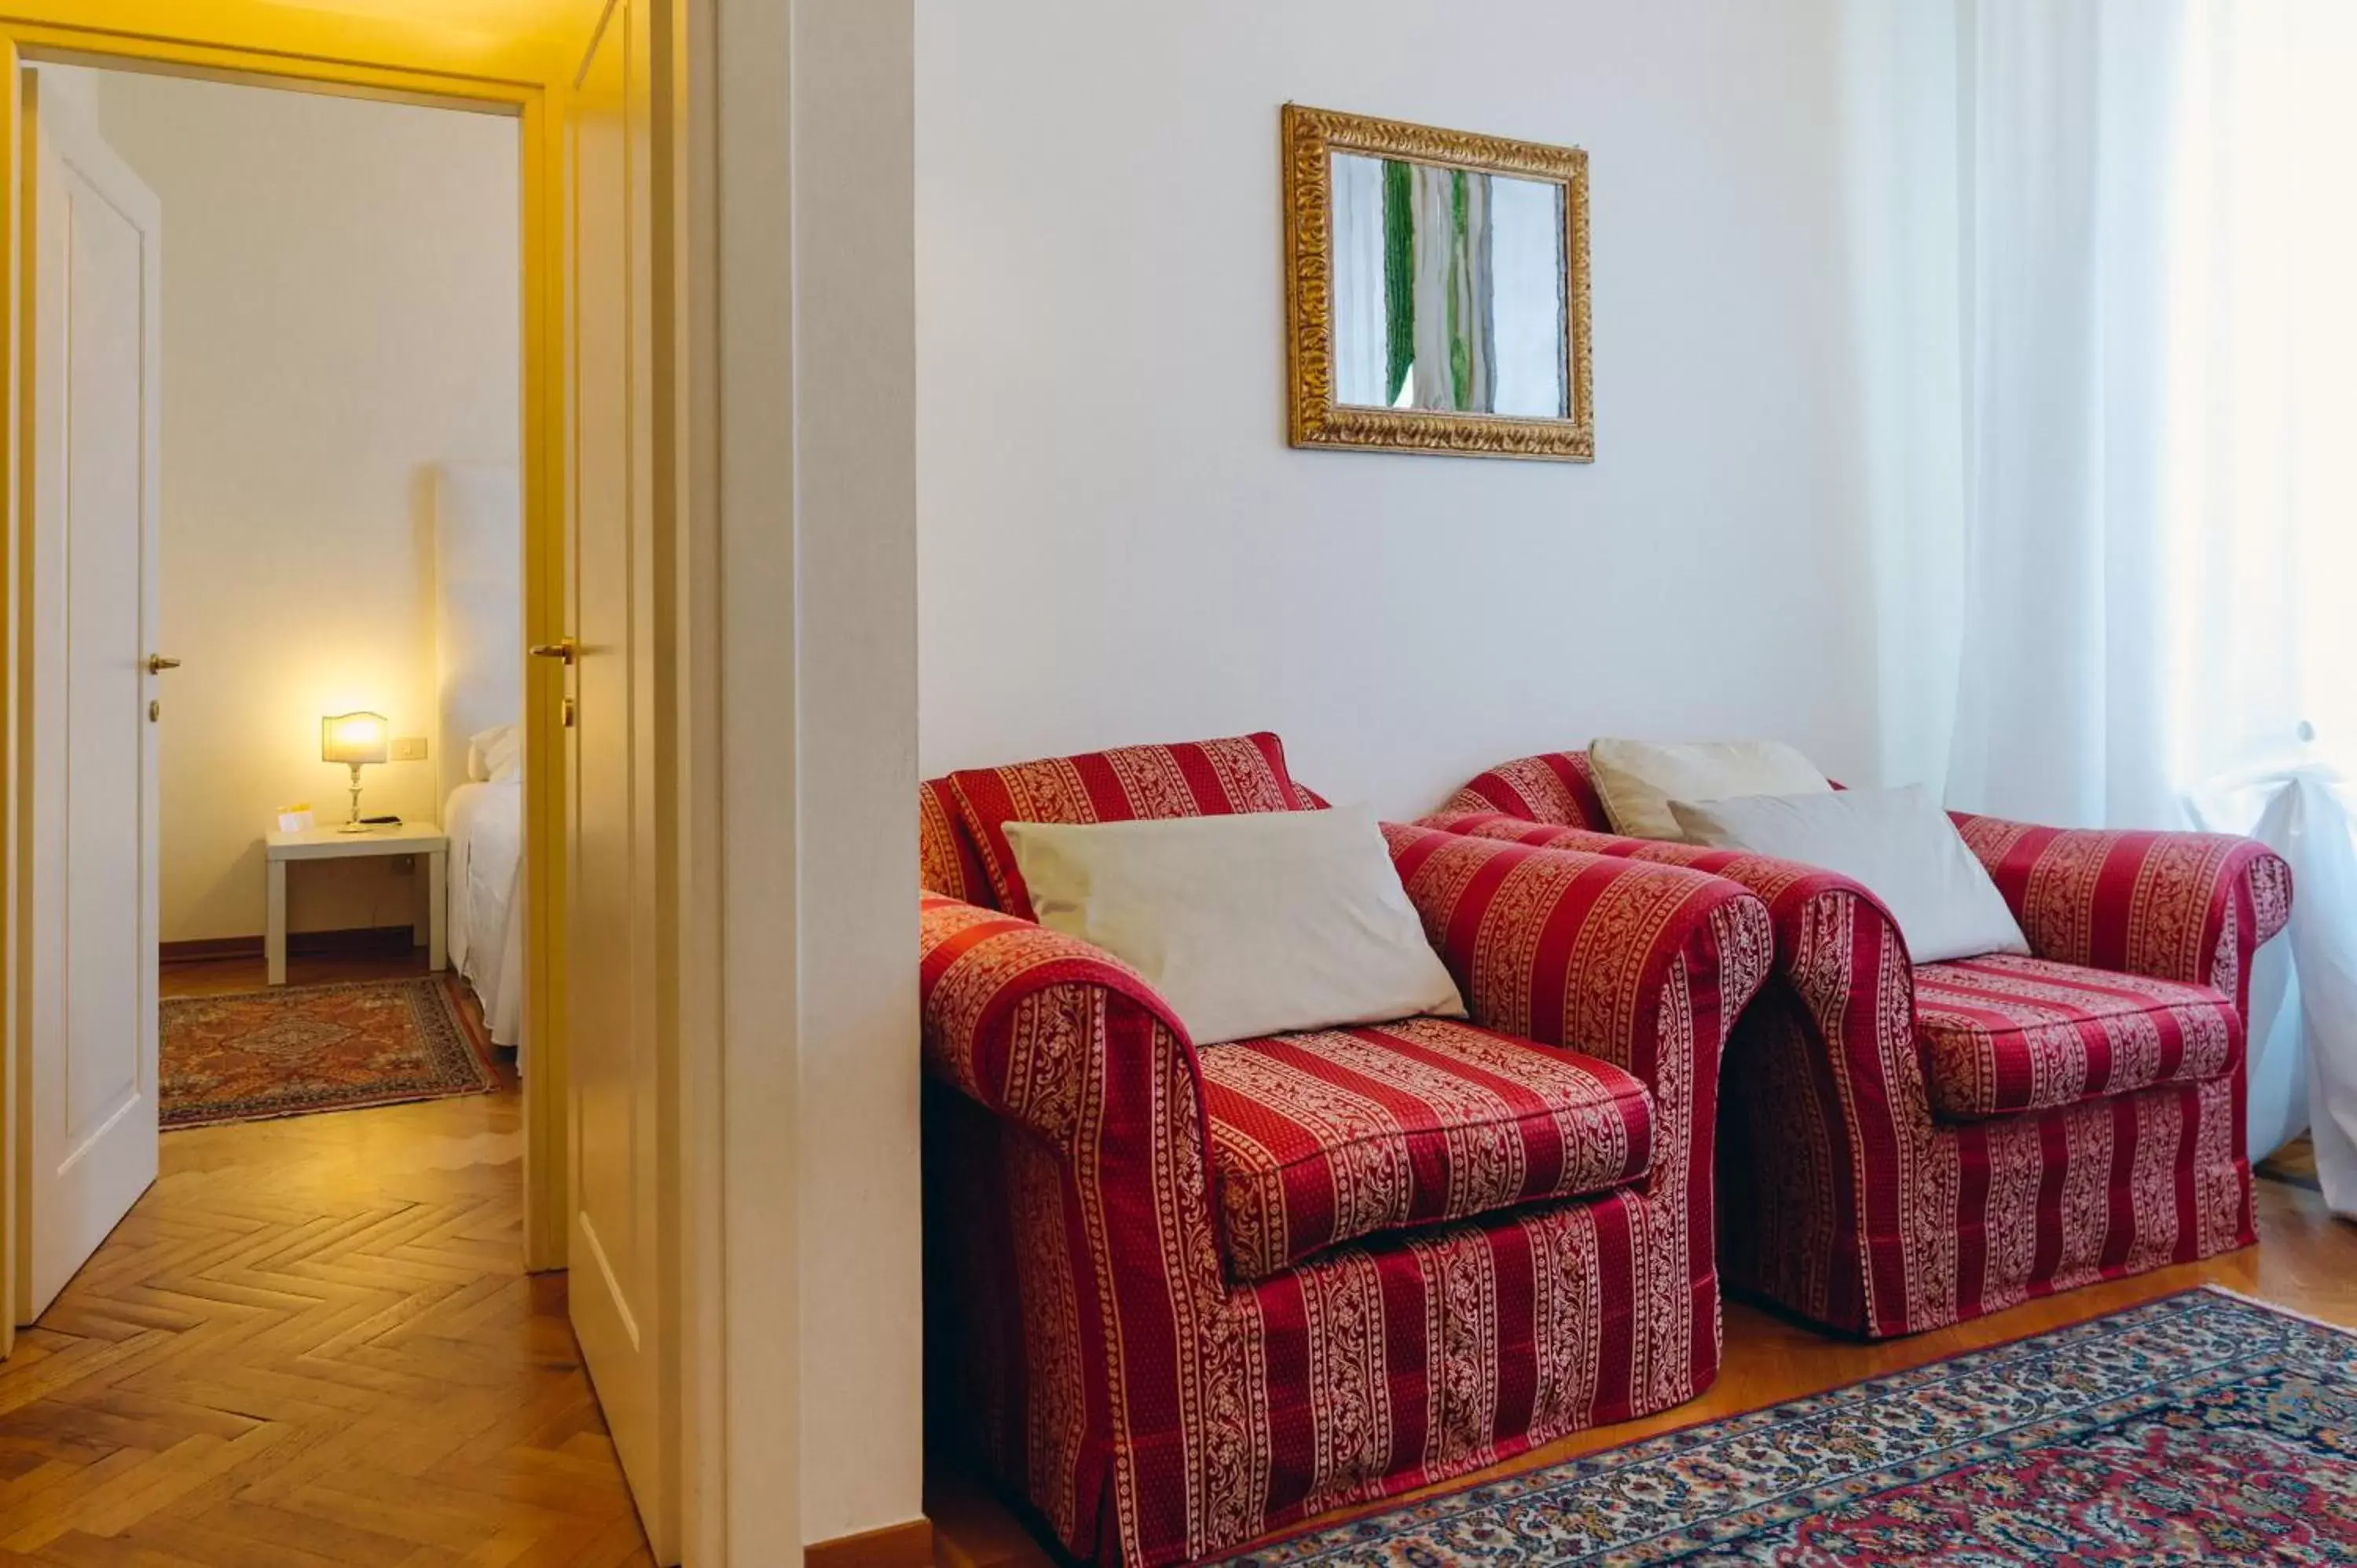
(1787, 887)
(1642, 966)
(2175, 905)
(1768, 878)
(1572, 950)
(1097, 1237)
(1836, 943)
(1040, 1027)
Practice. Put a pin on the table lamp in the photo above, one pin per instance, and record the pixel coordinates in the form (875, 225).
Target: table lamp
(354, 739)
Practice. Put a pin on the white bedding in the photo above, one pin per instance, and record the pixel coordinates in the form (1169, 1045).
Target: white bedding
(485, 824)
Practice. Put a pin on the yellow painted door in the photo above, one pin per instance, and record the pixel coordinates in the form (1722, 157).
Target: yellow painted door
(622, 1250)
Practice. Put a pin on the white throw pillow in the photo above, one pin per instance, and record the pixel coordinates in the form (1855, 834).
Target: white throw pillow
(1896, 841)
(1261, 923)
(495, 755)
(1638, 779)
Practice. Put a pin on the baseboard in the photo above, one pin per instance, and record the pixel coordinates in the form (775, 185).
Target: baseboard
(349, 942)
(909, 1545)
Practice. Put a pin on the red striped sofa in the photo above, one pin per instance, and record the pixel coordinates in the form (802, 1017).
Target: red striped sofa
(1178, 1298)
(1905, 1146)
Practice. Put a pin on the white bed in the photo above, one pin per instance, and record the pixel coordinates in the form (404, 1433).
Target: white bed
(485, 824)
(478, 643)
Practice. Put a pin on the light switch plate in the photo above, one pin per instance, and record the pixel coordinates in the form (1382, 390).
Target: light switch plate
(409, 748)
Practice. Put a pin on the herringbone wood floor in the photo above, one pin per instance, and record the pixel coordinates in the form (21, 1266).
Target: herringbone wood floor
(313, 1342)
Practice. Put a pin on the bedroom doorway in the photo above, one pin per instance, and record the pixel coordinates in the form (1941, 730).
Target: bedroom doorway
(339, 572)
(277, 568)
(597, 97)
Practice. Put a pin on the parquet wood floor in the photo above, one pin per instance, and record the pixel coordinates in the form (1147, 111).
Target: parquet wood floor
(313, 1342)
(2305, 1260)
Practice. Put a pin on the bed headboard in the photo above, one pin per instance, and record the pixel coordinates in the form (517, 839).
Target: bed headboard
(478, 612)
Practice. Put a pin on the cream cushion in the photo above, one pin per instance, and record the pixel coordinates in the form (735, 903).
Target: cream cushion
(1261, 923)
(1896, 841)
(1639, 779)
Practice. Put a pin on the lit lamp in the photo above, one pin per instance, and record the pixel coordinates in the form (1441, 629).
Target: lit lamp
(354, 739)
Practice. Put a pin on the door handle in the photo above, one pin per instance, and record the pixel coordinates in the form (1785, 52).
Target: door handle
(158, 664)
(563, 649)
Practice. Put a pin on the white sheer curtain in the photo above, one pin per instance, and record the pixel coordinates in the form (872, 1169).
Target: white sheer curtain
(2159, 397)
(1360, 346)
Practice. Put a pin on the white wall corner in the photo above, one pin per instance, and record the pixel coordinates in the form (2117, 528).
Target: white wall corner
(856, 595)
(817, 395)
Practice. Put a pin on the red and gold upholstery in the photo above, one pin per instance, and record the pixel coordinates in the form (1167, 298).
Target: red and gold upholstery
(1327, 1137)
(2006, 1034)
(1908, 1148)
(1161, 1381)
(1192, 779)
(947, 862)
(1557, 789)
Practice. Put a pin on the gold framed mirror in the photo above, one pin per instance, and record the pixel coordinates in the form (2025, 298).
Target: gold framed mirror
(1435, 288)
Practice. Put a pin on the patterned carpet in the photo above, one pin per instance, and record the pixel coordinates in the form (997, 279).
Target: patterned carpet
(2198, 1428)
(295, 1050)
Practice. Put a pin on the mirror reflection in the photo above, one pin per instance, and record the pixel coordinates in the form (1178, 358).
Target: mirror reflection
(1448, 289)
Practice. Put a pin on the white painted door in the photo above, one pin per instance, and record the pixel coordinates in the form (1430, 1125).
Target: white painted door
(622, 1248)
(90, 1126)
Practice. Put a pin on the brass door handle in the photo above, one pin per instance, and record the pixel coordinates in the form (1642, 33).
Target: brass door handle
(563, 649)
(158, 664)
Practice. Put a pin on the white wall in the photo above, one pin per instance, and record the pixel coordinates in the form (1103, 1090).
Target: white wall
(855, 578)
(1115, 543)
(340, 312)
(817, 369)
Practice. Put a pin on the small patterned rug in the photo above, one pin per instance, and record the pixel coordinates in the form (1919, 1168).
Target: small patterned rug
(295, 1049)
(2202, 1428)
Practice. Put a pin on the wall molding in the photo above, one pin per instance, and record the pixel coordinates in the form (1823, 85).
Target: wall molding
(346, 942)
(909, 1545)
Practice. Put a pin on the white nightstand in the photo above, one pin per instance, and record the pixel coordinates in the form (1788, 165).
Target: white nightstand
(333, 844)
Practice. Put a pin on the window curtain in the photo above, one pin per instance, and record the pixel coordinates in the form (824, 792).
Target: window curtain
(1361, 332)
(1452, 327)
(2159, 556)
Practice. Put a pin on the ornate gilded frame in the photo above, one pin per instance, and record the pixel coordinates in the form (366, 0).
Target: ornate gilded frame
(1311, 136)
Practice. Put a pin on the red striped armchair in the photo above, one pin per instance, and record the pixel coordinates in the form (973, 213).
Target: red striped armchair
(1178, 1298)
(1909, 1145)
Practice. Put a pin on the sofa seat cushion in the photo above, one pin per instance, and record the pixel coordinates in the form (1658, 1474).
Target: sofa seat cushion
(1325, 1137)
(2006, 1034)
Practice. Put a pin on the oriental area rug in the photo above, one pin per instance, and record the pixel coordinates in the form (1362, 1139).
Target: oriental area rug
(295, 1050)
(2201, 1428)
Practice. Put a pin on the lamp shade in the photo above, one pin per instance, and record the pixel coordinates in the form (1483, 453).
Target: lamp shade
(353, 737)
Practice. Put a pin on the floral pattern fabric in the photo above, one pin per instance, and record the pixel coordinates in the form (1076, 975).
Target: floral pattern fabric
(1848, 1200)
(2004, 1034)
(1091, 1349)
(947, 862)
(1326, 1138)
(1191, 778)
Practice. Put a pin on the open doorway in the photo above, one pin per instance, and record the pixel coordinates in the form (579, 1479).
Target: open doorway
(275, 546)
(276, 473)
(340, 584)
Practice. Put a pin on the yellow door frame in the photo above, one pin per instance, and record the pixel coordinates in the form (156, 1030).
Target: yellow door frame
(242, 44)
